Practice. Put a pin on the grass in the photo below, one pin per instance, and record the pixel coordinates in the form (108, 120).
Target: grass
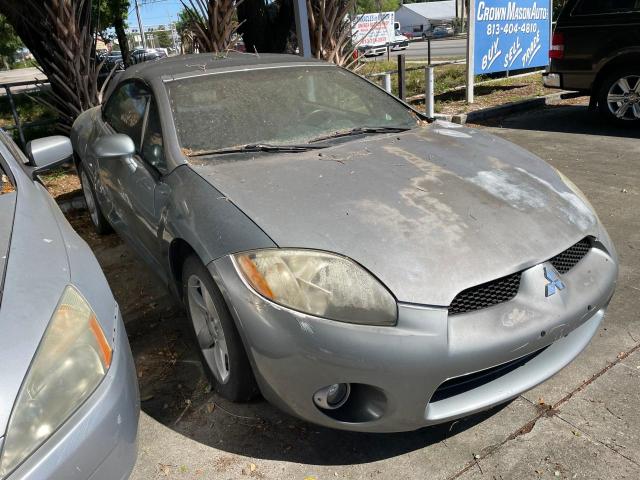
(24, 64)
(448, 77)
(29, 110)
(492, 94)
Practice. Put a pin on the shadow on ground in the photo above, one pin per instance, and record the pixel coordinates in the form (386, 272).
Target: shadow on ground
(174, 391)
(565, 119)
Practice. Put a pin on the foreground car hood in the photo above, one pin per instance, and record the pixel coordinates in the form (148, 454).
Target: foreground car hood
(430, 212)
(37, 271)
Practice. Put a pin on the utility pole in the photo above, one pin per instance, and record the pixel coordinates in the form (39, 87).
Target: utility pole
(144, 43)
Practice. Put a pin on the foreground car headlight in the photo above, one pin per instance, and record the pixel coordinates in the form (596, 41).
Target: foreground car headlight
(318, 283)
(71, 360)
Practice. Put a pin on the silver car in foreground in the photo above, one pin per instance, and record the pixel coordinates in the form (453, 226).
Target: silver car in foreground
(68, 389)
(366, 269)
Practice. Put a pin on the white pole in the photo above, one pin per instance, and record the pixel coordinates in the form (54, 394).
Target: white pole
(428, 93)
(471, 31)
(387, 82)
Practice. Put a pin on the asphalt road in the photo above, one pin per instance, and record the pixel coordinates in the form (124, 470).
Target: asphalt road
(580, 424)
(20, 75)
(441, 48)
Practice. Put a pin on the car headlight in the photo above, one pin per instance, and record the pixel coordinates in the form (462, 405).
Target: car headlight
(318, 283)
(71, 360)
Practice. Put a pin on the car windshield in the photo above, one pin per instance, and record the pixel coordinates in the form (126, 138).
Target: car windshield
(278, 106)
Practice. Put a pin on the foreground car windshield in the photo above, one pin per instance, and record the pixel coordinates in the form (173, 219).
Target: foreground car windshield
(277, 106)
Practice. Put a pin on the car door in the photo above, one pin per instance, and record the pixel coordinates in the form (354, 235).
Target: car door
(131, 184)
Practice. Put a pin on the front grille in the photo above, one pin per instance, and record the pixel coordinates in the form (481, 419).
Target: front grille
(505, 288)
(483, 296)
(458, 385)
(565, 261)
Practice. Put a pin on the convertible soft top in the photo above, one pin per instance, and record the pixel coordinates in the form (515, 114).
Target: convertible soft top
(198, 63)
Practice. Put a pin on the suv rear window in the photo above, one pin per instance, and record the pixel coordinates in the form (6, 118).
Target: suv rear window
(599, 7)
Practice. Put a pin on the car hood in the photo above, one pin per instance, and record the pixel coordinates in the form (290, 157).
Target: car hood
(429, 212)
(36, 272)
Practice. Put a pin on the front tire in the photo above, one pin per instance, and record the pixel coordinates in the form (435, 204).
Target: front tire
(619, 96)
(218, 342)
(100, 223)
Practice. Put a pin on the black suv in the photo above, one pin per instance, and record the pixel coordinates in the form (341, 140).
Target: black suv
(596, 50)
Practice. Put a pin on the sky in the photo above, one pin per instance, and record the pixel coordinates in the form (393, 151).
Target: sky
(154, 12)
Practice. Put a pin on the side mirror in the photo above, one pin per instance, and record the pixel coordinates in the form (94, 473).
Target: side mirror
(49, 152)
(117, 145)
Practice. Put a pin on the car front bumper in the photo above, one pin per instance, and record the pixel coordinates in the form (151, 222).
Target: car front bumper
(374, 51)
(99, 441)
(398, 374)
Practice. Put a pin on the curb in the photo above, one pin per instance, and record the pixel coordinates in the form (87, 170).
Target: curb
(508, 108)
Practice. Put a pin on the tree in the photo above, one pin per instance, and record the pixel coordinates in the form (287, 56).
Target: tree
(163, 38)
(212, 22)
(373, 6)
(58, 34)
(9, 42)
(120, 10)
(112, 13)
(330, 30)
(183, 22)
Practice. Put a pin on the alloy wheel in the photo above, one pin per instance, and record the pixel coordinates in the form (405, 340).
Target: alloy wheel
(623, 98)
(208, 329)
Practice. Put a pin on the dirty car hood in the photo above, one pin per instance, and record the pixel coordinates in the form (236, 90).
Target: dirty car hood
(430, 212)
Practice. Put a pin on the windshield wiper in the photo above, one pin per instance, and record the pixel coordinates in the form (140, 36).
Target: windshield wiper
(360, 131)
(255, 147)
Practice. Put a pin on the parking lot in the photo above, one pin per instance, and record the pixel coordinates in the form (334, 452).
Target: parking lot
(582, 423)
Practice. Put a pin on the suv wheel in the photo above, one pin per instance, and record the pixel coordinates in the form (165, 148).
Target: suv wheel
(619, 96)
(218, 342)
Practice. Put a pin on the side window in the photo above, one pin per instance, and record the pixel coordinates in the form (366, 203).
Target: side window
(152, 143)
(125, 110)
(599, 7)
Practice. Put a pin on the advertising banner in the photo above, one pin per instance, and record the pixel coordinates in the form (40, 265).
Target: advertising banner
(374, 29)
(511, 35)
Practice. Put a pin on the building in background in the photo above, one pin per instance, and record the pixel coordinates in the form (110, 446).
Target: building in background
(420, 18)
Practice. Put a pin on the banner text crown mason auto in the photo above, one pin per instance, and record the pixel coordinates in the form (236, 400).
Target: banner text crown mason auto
(511, 35)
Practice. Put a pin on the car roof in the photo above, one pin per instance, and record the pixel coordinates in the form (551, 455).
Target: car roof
(183, 65)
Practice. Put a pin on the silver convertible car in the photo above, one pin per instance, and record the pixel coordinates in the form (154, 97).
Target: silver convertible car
(68, 387)
(363, 268)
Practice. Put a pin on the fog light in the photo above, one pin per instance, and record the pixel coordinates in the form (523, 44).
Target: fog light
(333, 396)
